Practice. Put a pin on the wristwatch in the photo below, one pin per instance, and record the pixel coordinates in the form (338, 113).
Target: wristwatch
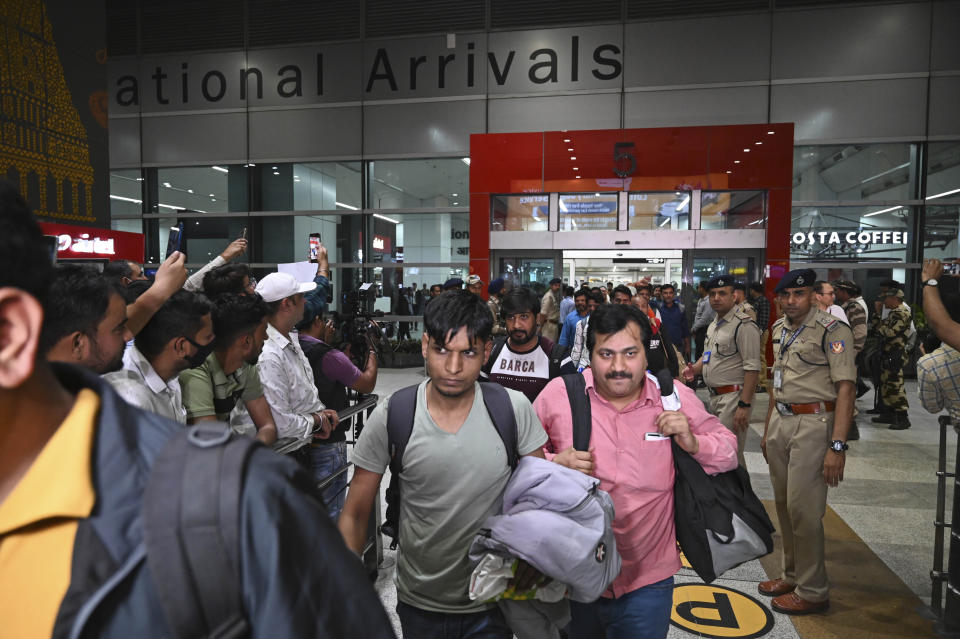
(838, 446)
(742, 404)
(931, 282)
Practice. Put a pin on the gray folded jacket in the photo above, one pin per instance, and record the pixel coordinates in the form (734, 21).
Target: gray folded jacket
(560, 522)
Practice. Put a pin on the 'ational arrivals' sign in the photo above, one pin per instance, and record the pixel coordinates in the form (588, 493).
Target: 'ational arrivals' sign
(835, 238)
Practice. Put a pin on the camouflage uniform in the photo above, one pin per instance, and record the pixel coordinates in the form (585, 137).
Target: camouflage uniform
(857, 318)
(893, 331)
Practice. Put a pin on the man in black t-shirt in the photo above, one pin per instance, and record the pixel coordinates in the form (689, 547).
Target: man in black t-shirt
(522, 361)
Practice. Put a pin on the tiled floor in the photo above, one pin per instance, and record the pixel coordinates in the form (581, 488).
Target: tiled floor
(888, 498)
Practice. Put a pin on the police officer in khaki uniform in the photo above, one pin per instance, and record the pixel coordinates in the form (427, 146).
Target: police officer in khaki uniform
(549, 317)
(731, 361)
(805, 436)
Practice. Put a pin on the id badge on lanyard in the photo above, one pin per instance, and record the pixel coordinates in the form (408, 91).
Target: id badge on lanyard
(777, 379)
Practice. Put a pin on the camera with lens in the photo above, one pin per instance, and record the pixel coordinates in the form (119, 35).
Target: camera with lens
(357, 328)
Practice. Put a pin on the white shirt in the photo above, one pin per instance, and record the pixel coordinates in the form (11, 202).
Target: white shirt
(836, 311)
(287, 380)
(580, 354)
(138, 383)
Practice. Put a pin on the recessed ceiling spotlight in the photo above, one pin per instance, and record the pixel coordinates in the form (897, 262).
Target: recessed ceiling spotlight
(189, 190)
(575, 169)
(746, 150)
(729, 171)
(166, 184)
(573, 157)
(736, 161)
(769, 132)
(758, 143)
(566, 140)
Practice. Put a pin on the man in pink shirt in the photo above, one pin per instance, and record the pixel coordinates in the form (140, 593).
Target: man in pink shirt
(635, 465)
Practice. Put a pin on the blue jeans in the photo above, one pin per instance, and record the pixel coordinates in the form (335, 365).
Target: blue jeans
(324, 461)
(417, 623)
(641, 614)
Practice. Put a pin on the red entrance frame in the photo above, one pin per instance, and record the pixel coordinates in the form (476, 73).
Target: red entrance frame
(748, 157)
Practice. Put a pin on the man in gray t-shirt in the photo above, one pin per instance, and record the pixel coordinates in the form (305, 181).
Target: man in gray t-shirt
(454, 471)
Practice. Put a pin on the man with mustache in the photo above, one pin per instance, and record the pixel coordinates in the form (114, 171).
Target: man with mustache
(522, 361)
(631, 454)
(805, 436)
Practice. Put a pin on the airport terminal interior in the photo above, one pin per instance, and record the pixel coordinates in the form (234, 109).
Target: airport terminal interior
(597, 141)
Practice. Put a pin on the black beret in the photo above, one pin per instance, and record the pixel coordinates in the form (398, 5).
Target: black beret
(453, 282)
(718, 281)
(796, 279)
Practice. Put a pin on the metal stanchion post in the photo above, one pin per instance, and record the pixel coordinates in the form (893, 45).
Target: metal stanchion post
(937, 575)
(949, 624)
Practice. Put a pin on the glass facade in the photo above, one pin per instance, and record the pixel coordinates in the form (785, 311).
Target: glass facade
(854, 172)
(588, 211)
(733, 209)
(414, 184)
(652, 211)
(520, 212)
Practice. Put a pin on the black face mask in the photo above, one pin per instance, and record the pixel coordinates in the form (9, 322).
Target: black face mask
(203, 351)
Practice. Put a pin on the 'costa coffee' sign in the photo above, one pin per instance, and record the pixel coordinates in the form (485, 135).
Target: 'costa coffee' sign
(84, 242)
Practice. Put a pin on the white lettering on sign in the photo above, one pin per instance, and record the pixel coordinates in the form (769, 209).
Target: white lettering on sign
(851, 237)
(84, 244)
(378, 243)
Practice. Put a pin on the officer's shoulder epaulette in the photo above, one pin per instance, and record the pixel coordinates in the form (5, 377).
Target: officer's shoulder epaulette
(829, 322)
(743, 316)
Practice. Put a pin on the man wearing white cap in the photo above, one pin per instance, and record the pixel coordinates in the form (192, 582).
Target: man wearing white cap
(285, 372)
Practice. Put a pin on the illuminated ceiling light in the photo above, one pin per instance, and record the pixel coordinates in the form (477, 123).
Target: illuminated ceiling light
(769, 132)
(383, 217)
(213, 199)
(248, 165)
(892, 208)
(274, 168)
(455, 194)
(575, 169)
(736, 161)
(578, 177)
(465, 161)
(220, 168)
(346, 206)
(276, 172)
(683, 203)
(296, 179)
(664, 223)
(573, 157)
(729, 171)
(566, 139)
(139, 179)
(944, 194)
(189, 190)
(758, 143)
(212, 195)
(125, 199)
(166, 184)
(570, 149)
(746, 150)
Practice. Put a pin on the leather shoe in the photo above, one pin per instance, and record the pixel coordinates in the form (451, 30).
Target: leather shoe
(887, 418)
(874, 411)
(774, 587)
(793, 604)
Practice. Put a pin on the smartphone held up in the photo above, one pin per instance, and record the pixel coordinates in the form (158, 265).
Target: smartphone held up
(314, 246)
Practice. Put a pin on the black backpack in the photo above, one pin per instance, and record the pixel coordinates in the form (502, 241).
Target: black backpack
(193, 542)
(401, 411)
(719, 520)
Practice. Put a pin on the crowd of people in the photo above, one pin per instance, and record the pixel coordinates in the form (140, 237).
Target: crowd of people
(98, 370)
